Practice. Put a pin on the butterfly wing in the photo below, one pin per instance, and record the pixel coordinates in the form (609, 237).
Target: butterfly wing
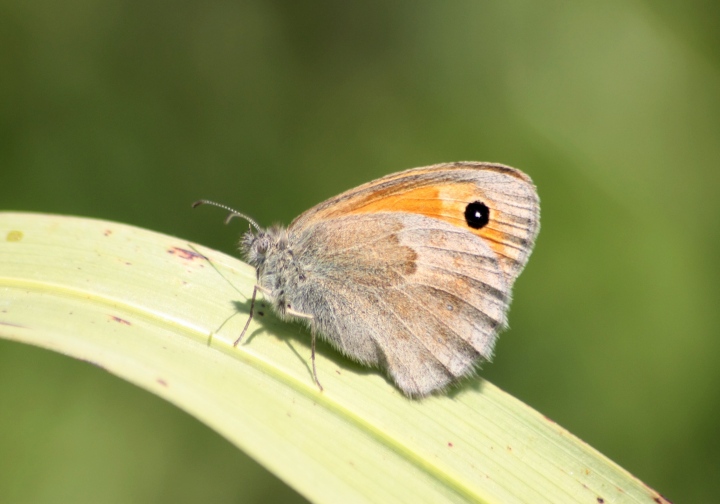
(396, 277)
(444, 191)
(411, 294)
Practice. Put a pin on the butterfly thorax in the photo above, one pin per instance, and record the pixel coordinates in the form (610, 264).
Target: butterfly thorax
(278, 270)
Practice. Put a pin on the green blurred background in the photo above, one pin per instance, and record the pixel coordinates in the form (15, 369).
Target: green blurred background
(130, 110)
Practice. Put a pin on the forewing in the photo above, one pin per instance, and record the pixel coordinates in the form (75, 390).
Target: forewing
(444, 192)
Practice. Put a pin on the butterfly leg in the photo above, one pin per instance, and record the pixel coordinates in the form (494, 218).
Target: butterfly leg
(312, 353)
(290, 311)
(252, 312)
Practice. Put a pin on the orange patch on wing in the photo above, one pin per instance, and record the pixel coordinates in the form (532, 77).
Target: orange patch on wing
(496, 240)
(447, 202)
(423, 200)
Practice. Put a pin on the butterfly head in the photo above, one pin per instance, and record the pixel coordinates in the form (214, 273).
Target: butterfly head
(257, 245)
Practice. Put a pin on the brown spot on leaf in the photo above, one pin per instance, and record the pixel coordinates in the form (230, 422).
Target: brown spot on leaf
(120, 320)
(186, 254)
(662, 500)
(10, 324)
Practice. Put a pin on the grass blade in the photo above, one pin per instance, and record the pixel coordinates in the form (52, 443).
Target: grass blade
(150, 309)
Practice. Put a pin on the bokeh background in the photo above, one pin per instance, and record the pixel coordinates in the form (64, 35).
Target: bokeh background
(129, 110)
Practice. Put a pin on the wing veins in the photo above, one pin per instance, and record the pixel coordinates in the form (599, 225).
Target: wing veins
(438, 319)
(455, 273)
(497, 322)
(414, 336)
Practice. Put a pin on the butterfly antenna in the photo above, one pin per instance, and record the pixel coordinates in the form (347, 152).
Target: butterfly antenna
(233, 213)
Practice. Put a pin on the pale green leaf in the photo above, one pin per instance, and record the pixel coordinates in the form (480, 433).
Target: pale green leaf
(146, 307)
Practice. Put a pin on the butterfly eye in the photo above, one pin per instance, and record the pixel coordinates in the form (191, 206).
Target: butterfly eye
(477, 214)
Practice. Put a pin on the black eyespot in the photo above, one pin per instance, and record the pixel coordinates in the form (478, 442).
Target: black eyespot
(477, 214)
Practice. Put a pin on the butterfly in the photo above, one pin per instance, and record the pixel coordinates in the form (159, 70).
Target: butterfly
(411, 273)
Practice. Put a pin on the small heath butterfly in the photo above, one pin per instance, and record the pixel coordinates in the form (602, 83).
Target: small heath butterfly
(411, 273)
